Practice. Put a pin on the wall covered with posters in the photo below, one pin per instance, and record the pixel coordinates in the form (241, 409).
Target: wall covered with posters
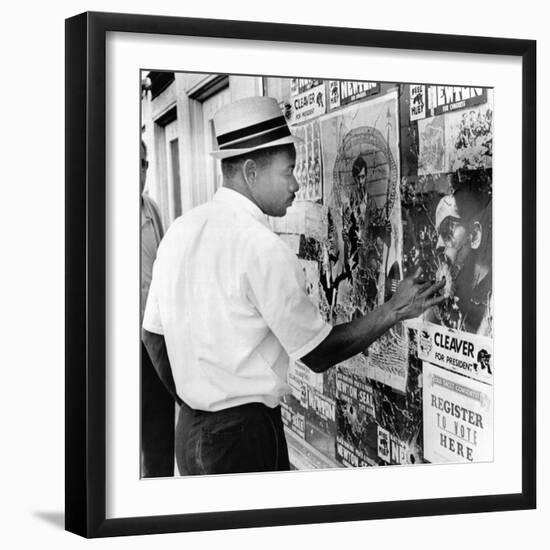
(394, 177)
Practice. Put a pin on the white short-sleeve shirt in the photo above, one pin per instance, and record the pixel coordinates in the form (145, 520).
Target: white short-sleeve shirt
(229, 297)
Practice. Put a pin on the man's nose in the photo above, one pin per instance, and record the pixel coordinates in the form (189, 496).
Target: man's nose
(440, 242)
(294, 186)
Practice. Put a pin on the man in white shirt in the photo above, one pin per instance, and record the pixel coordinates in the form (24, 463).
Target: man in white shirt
(228, 308)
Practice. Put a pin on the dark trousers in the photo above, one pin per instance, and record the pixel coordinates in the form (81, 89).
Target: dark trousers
(157, 422)
(247, 438)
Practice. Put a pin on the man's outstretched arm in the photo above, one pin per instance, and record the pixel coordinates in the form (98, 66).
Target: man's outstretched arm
(347, 339)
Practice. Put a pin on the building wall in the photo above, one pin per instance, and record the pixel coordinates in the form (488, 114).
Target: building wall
(195, 97)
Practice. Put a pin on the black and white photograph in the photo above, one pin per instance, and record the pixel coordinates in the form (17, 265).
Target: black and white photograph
(316, 273)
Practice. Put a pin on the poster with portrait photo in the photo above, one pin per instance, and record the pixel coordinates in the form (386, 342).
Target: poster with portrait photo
(447, 212)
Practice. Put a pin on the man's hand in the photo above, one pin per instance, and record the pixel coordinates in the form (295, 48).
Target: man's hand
(413, 296)
(156, 348)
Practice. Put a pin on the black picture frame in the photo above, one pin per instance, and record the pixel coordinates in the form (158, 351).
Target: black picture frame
(86, 286)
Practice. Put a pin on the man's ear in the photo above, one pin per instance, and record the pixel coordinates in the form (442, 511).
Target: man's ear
(249, 171)
(476, 235)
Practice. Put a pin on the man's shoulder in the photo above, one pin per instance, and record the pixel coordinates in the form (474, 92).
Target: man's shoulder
(193, 216)
(228, 223)
(230, 220)
(266, 244)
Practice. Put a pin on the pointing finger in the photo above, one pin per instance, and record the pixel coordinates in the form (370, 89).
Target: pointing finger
(423, 286)
(436, 300)
(432, 289)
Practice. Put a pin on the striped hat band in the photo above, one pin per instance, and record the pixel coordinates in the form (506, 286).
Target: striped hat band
(255, 135)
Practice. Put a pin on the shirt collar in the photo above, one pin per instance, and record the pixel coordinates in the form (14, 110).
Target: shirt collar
(240, 202)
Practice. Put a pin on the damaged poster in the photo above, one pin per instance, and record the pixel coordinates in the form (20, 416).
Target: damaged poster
(400, 414)
(322, 406)
(350, 456)
(316, 221)
(383, 444)
(457, 140)
(299, 378)
(334, 94)
(308, 171)
(321, 422)
(417, 101)
(469, 138)
(387, 359)
(310, 269)
(444, 99)
(458, 417)
(301, 85)
(356, 428)
(398, 451)
(293, 416)
(449, 236)
(351, 90)
(431, 147)
(361, 259)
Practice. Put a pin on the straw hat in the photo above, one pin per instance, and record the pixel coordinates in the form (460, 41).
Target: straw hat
(446, 207)
(250, 124)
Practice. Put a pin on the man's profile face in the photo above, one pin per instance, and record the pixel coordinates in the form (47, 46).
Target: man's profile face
(362, 177)
(276, 185)
(143, 167)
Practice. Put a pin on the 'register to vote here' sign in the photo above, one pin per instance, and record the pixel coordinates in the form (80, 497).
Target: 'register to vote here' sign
(458, 417)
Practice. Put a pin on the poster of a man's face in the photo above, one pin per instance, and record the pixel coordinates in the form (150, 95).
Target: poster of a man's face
(463, 223)
(359, 174)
